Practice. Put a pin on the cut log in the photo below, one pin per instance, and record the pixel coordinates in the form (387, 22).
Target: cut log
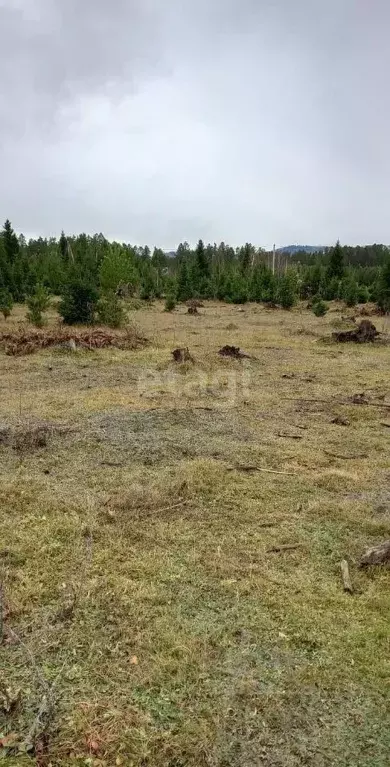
(377, 555)
(346, 577)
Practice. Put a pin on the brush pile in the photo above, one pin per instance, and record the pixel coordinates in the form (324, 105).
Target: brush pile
(30, 340)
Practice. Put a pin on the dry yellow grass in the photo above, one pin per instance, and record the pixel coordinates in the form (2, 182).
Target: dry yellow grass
(140, 593)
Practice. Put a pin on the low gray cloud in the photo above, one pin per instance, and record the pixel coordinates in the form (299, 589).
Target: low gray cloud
(157, 122)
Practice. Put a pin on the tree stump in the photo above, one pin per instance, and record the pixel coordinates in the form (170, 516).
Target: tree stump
(378, 555)
(182, 355)
(366, 332)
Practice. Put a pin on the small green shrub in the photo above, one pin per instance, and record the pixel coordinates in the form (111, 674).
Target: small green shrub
(6, 302)
(319, 308)
(110, 311)
(170, 302)
(38, 302)
(79, 302)
(363, 294)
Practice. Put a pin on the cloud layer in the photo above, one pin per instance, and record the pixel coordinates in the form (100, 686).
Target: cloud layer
(234, 119)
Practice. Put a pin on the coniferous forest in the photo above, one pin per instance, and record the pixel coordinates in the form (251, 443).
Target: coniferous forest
(91, 275)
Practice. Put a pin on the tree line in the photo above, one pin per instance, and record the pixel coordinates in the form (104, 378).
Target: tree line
(91, 275)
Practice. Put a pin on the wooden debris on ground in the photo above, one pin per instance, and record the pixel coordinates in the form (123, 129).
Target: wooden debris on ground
(182, 355)
(365, 332)
(29, 340)
(347, 583)
(340, 421)
(344, 456)
(284, 547)
(233, 351)
(377, 555)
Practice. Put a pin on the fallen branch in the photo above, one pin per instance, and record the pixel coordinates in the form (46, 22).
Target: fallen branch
(345, 457)
(347, 584)
(286, 547)
(289, 436)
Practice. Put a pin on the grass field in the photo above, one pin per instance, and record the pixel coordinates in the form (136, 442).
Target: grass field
(150, 618)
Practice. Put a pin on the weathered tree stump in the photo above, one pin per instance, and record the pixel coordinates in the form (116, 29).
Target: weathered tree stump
(182, 355)
(233, 351)
(378, 555)
(366, 332)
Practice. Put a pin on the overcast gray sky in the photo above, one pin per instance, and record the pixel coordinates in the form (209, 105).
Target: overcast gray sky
(156, 121)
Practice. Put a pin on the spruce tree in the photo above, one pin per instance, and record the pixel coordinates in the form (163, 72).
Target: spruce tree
(79, 301)
(336, 267)
(184, 287)
(349, 291)
(38, 303)
(200, 272)
(11, 243)
(6, 302)
(110, 311)
(246, 255)
(287, 295)
(384, 288)
(63, 248)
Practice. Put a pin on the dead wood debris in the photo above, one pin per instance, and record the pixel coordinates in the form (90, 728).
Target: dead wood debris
(233, 351)
(284, 547)
(345, 457)
(377, 555)
(30, 340)
(365, 332)
(340, 421)
(347, 584)
(182, 355)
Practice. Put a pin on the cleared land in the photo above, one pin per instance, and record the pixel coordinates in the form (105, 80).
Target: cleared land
(163, 601)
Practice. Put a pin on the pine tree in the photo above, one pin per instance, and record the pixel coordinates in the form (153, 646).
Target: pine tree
(117, 268)
(6, 302)
(38, 303)
(202, 261)
(79, 301)
(184, 287)
(349, 291)
(11, 244)
(336, 267)
(200, 272)
(261, 281)
(12, 261)
(110, 310)
(384, 288)
(239, 289)
(287, 295)
(63, 248)
(246, 256)
(320, 308)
